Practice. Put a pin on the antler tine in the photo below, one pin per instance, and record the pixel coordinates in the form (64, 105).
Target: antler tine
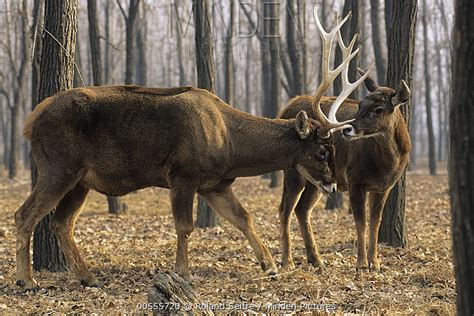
(347, 89)
(328, 75)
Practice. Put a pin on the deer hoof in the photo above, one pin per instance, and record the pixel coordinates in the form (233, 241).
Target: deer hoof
(374, 266)
(288, 265)
(27, 285)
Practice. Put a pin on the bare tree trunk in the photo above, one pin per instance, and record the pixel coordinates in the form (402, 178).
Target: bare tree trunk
(388, 19)
(440, 86)
(378, 44)
(179, 48)
(400, 66)
(141, 38)
(108, 51)
(206, 217)
(294, 48)
(57, 74)
(130, 34)
(114, 203)
(229, 71)
(428, 103)
(18, 92)
(461, 160)
(248, 79)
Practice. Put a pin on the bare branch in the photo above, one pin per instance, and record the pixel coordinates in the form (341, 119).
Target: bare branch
(122, 10)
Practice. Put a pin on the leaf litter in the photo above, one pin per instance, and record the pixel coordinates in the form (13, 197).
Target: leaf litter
(125, 251)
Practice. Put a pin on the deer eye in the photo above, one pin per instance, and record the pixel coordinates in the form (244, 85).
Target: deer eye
(378, 111)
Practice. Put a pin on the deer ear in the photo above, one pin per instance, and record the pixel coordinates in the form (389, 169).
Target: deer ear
(402, 94)
(302, 124)
(369, 82)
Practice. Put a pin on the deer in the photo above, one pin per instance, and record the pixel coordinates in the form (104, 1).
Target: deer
(371, 155)
(122, 138)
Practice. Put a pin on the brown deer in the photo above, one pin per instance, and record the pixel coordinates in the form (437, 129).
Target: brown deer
(118, 139)
(371, 155)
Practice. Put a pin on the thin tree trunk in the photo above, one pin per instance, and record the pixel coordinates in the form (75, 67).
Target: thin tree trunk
(229, 71)
(206, 217)
(428, 103)
(378, 44)
(141, 38)
(179, 48)
(108, 51)
(18, 92)
(400, 66)
(294, 48)
(388, 19)
(461, 160)
(57, 74)
(130, 34)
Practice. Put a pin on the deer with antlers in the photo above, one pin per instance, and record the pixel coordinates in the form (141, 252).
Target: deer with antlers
(372, 153)
(118, 139)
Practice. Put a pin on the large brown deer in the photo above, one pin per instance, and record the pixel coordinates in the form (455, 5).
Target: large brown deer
(370, 159)
(118, 139)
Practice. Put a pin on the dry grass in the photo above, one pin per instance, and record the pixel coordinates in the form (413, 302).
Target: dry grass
(125, 251)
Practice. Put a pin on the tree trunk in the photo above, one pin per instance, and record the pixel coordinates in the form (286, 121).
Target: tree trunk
(206, 217)
(334, 201)
(293, 35)
(130, 34)
(179, 47)
(57, 74)
(461, 160)
(348, 31)
(229, 71)
(18, 93)
(108, 51)
(400, 66)
(115, 205)
(428, 103)
(388, 19)
(378, 44)
(141, 64)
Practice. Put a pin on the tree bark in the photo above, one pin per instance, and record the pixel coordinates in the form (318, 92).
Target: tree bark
(142, 30)
(461, 162)
(57, 74)
(18, 92)
(348, 31)
(115, 205)
(130, 34)
(379, 51)
(400, 66)
(206, 217)
(108, 51)
(294, 46)
(229, 71)
(179, 46)
(388, 19)
(428, 103)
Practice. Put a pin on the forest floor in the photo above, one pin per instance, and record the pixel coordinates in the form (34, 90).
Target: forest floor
(125, 251)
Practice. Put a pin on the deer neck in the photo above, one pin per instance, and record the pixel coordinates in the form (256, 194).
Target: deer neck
(394, 144)
(263, 145)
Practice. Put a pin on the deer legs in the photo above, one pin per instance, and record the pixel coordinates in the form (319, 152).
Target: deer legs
(292, 188)
(357, 198)
(62, 223)
(309, 198)
(294, 183)
(376, 204)
(45, 196)
(182, 196)
(226, 204)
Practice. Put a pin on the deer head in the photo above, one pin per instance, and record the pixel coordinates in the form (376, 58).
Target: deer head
(377, 111)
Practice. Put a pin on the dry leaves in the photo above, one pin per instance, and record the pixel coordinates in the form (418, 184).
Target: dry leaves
(125, 251)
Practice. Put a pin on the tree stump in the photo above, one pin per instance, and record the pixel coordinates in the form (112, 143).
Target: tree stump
(171, 294)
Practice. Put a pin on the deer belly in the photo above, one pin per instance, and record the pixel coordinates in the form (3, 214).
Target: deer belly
(114, 184)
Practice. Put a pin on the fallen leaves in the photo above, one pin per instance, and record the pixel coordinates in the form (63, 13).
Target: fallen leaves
(125, 251)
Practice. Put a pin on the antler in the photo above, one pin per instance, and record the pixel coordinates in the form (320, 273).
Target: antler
(331, 124)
